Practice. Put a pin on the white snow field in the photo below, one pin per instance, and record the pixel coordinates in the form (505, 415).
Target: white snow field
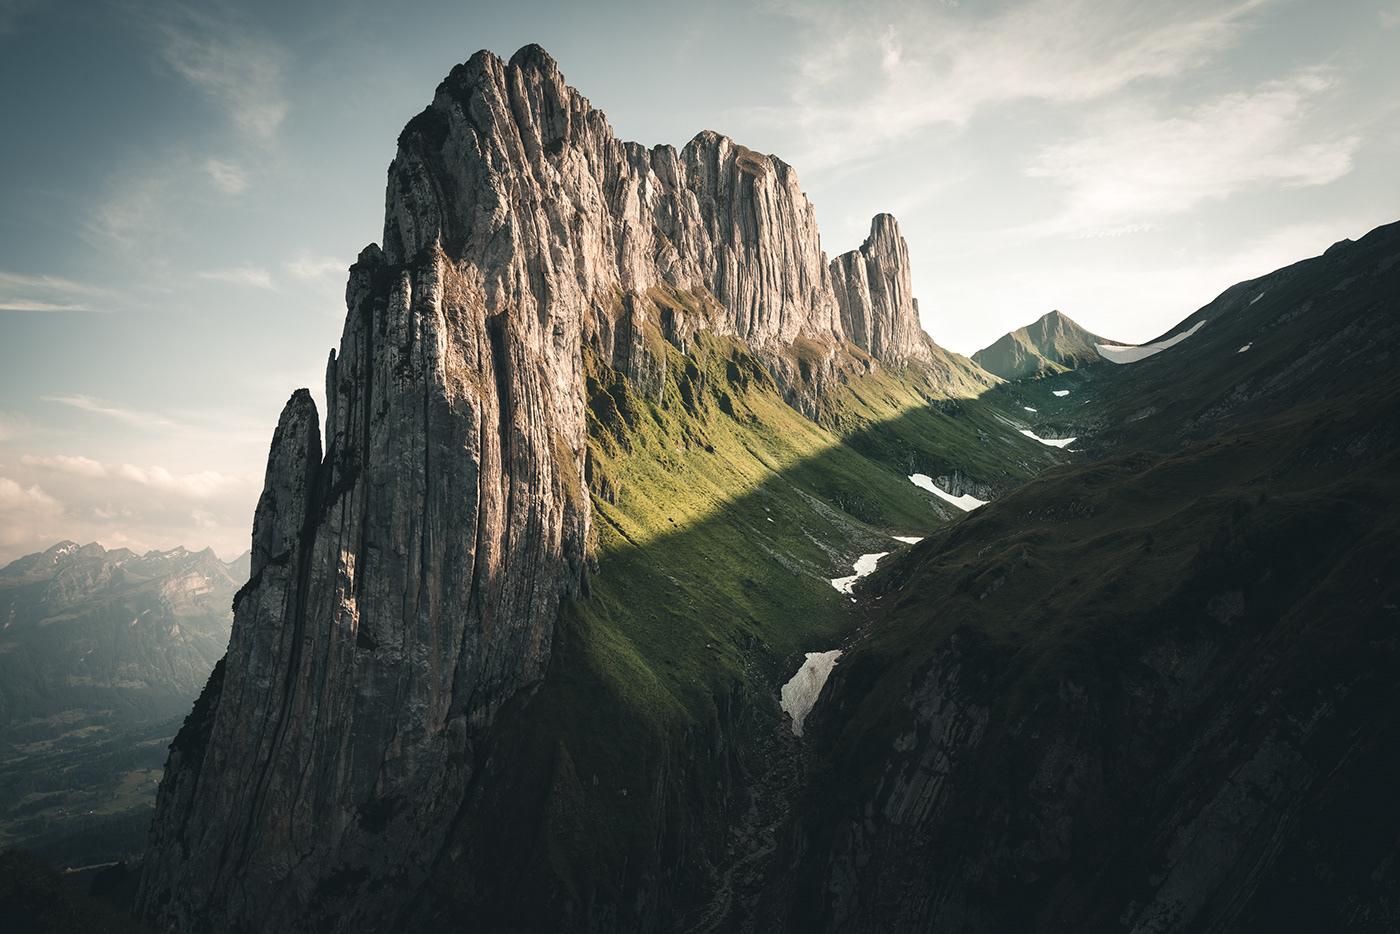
(1142, 352)
(865, 564)
(967, 502)
(1059, 392)
(1053, 442)
(1028, 408)
(907, 539)
(801, 691)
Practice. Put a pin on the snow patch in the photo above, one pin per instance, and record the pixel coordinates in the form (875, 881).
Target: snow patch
(1256, 298)
(801, 691)
(1245, 347)
(967, 502)
(1060, 392)
(1053, 442)
(864, 566)
(907, 539)
(1028, 408)
(1142, 352)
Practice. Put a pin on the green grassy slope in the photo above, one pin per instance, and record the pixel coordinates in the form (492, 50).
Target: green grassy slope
(720, 514)
(1054, 343)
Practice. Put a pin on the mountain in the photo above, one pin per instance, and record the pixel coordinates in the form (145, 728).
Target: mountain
(1153, 691)
(1052, 344)
(600, 430)
(612, 450)
(100, 653)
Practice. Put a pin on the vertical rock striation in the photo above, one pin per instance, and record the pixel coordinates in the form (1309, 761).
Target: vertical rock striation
(406, 581)
(878, 310)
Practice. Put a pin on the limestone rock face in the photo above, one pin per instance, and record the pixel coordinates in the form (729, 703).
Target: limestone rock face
(406, 581)
(878, 310)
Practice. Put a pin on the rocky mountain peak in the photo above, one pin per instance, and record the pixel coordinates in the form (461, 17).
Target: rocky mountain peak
(1053, 343)
(878, 310)
(407, 572)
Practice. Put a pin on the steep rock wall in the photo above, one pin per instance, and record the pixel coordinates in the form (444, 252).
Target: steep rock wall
(406, 581)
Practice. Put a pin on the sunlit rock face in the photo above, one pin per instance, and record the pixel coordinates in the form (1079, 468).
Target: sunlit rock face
(875, 296)
(406, 578)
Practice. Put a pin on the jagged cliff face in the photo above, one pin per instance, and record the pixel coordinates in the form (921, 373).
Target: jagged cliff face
(875, 297)
(407, 579)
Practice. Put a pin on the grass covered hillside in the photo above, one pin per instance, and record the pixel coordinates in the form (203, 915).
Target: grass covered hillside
(720, 515)
(1053, 343)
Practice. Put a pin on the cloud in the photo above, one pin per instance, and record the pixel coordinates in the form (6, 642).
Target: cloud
(243, 275)
(14, 496)
(136, 507)
(136, 418)
(200, 485)
(226, 176)
(66, 463)
(873, 75)
(236, 71)
(23, 509)
(20, 292)
(312, 269)
(1131, 166)
(129, 215)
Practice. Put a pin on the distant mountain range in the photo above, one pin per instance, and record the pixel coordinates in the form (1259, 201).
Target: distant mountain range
(100, 653)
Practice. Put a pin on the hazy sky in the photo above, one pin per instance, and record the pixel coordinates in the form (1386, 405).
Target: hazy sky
(183, 187)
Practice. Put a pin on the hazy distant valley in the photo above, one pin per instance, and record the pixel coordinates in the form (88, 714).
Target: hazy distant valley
(101, 655)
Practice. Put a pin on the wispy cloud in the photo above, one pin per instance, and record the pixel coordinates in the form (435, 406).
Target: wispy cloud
(226, 176)
(128, 215)
(66, 463)
(23, 508)
(1131, 166)
(875, 74)
(20, 292)
(250, 276)
(237, 71)
(310, 269)
(13, 494)
(137, 418)
(200, 485)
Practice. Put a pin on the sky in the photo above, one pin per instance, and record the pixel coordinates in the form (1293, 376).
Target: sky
(183, 187)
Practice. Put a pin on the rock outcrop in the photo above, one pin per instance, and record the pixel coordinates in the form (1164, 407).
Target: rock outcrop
(878, 310)
(406, 581)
